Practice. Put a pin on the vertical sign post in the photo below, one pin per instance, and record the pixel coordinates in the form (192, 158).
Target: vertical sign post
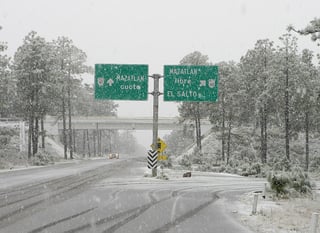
(155, 94)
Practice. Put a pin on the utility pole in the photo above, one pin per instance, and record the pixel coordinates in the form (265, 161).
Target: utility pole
(156, 95)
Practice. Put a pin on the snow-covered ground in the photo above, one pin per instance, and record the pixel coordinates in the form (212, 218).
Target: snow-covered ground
(273, 215)
(276, 216)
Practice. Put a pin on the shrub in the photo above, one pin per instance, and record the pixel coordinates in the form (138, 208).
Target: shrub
(231, 170)
(197, 157)
(167, 163)
(281, 164)
(162, 175)
(296, 180)
(255, 169)
(300, 180)
(315, 164)
(185, 161)
(246, 169)
(41, 159)
(265, 170)
(279, 183)
(206, 167)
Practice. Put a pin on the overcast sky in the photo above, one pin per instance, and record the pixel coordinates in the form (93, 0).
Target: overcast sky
(155, 32)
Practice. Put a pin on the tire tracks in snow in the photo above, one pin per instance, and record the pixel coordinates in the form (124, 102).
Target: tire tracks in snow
(33, 196)
(187, 215)
(42, 228)
(125, 217)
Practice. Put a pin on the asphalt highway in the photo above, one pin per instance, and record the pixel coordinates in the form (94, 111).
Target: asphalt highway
(112, 195)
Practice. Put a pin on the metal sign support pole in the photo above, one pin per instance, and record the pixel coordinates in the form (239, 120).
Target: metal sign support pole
(155, 94)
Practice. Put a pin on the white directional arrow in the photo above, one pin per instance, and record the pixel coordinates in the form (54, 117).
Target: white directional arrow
(110, 82)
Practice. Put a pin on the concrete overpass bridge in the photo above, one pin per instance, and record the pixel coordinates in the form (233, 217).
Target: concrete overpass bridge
(53, 125)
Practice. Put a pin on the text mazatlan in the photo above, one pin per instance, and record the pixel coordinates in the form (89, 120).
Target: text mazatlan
(187, 71)
(127, 78)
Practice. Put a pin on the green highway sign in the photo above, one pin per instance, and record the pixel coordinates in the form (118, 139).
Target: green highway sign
(190, 83)
(121, 82)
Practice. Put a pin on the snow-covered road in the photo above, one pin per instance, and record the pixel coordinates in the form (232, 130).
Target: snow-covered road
(114, 196)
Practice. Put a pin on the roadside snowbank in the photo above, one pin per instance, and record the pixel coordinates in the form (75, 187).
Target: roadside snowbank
(280, 216)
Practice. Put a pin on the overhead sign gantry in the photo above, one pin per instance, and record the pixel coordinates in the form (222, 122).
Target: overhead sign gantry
(181, 83)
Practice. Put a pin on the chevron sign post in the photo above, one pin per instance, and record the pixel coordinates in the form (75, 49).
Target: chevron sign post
(152, 159)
